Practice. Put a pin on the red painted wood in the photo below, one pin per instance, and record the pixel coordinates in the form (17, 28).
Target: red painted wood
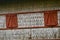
(50, 18)
(11, 21)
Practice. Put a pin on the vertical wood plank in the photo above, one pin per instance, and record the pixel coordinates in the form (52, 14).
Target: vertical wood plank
(50, 18)
(11, 21)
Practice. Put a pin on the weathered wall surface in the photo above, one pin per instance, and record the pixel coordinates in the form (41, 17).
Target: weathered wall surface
(28, 5)
(28, 34)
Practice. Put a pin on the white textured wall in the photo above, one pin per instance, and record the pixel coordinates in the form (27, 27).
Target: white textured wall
(2, 21)
(30, 20)
(58, 18)
(26, 34)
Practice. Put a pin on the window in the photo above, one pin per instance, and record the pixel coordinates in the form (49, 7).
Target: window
(30, 20)
(2, 21)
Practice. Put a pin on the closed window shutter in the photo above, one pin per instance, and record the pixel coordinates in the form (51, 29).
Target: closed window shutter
(50, 18)
(11, 21)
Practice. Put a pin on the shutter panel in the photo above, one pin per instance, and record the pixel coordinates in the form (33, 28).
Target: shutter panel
(11, 21)
(50, 18)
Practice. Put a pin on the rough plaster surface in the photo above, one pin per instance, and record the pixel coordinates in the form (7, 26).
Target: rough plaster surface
(26, 34)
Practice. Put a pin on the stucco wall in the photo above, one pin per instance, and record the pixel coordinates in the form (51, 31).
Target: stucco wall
(26, 34)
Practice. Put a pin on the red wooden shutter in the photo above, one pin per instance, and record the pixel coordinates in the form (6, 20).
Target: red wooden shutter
(50, 18)
(11, 21)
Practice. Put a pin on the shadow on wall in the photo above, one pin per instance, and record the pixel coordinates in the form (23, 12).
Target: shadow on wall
(26, 34)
